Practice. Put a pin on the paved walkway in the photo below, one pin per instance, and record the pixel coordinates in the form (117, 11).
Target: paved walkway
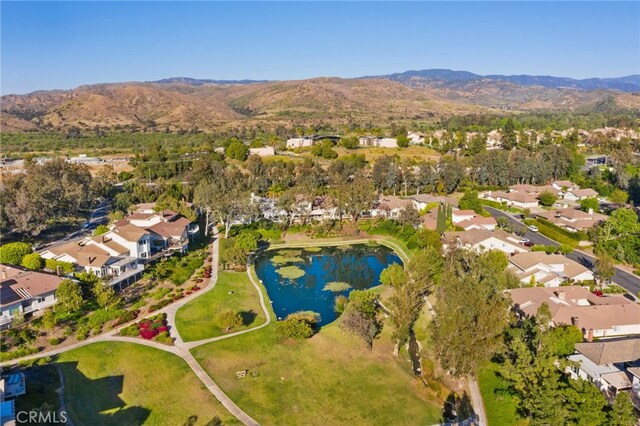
(478, 404)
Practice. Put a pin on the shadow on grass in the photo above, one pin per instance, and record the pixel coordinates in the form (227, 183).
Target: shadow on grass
(193, 420)
(248, 317)
(88, 400)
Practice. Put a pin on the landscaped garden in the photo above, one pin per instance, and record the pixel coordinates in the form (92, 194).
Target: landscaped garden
(200, 318)
(124, 383)
(88, 307)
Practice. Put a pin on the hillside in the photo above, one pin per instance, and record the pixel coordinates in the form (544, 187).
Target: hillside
(213, 104)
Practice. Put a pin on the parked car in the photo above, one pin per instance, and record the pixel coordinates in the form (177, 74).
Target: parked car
(533, 228)
(527, 244)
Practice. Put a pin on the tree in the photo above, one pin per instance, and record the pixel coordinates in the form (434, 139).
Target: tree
(590, 204)
(49, 320)
(237, 151)
(247, 241)
(470, 201)
(32, 261)
(229, 319)
(604, 268)
(429, 238)
(225, 197)
(355, 197)
(350, 142)
(403, 140)
(101, 229)
(69, 296)
(547, 198)
(104, 295)
(622, 412)
(471, 312)
(508, 135)
(298, 325)
(619, 196)
(409, 216)
(12, 253)
(359, 324)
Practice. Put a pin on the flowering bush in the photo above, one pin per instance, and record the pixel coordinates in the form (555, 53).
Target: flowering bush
(148, 334)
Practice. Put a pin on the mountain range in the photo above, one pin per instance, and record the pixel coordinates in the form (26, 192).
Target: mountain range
(183, 102)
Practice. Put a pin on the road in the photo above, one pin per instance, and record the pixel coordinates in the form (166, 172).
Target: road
(99, 216)
(622, 278)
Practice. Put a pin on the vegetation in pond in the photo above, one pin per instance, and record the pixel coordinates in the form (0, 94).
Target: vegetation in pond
(289, 253)
(337, 286)
(282, 260)
(290, 272)
(313, 249)
(346, 247)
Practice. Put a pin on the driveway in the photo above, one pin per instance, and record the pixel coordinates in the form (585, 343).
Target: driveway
(625, 279)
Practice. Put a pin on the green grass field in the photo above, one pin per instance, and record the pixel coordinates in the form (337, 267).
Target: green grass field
(330, 379)
(498, 403)
(197, 319)
(129, 384)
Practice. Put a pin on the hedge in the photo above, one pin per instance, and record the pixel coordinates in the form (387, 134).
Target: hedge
(556, 236)
(577, 236)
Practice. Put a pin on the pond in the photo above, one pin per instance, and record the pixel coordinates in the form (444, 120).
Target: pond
(309, 279)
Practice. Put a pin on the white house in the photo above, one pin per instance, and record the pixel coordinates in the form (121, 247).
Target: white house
(482, 239)
(25, 292)
(304, 142)
(415, 138)
(551, 270)
(264, 151)
(379, 142)
(521, 200)
(609, 364)
(390, 206)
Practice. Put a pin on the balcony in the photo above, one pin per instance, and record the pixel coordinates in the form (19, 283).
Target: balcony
(128, 273)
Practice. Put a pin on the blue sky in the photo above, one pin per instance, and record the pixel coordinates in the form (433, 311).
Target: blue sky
(63, 45)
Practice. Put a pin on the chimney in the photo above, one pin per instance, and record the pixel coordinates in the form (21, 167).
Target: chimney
(4, 274)
(561, 295)
(58, 270)
(575, 321)
(590, 335)
(590, 212)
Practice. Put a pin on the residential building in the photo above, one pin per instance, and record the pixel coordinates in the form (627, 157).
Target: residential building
(416, 138)
(572, 219)
(390, 206)
(550, 270)
(482, 239)
(378, 141)
(11, 386)
(595, 316)
(24, 292)
(264, 151)
(304, 142)
(610, 364)
(523, 200)
(101, 257)
(421, 201)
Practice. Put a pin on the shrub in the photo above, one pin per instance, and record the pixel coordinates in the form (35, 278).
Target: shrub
(32, 261)
(340, 304)
(65, 267)
(82, 333)
(293, 328)
(131, 330)
(164, 337)
(14, 252)
(229, 319)
(148, 334)
(55, 341)
(17, 353)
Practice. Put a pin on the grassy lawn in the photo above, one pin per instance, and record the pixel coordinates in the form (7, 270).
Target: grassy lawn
(42, 383)
(498, 403)
(330, 379)
(129, 384)
(197, 319)
(415, 152)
